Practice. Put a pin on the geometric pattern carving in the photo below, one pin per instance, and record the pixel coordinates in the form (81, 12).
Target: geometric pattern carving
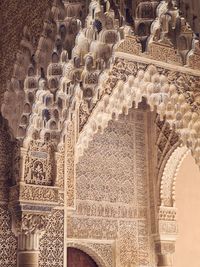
(6, 152)
(164, 53)
(112, 190)
(52, 242)
(89, 228)
(167, 141)
(8, 242)
(134, 243)
(167, 221)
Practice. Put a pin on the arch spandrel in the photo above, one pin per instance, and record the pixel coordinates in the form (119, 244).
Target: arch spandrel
(129, 81)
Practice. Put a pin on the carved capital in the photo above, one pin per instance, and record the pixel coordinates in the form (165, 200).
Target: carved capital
(33, 223)
(164, 247)
(26, 221)
(31, 206)
(167, 224)
(167, 213)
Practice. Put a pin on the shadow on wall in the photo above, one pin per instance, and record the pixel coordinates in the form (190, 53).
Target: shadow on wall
(188, 205)
(190, 10)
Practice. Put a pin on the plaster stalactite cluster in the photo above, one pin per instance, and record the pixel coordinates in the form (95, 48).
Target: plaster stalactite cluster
(190, 10)
(77, 106)
(12, 42)
(58, 36)
(49, 117)
(158, 91)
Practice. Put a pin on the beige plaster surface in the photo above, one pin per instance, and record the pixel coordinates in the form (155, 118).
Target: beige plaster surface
(188, 204)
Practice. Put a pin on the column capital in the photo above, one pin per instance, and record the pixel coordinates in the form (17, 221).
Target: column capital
(167, 224)
(31, 206)
(166, 236)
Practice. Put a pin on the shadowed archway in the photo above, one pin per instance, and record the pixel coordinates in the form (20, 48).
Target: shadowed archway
(76, 257)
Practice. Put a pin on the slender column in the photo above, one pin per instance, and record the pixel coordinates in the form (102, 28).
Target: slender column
(164, 260)
(28, 250)
(23, 152)
(166, 238)
(165, 251)
(29, 228)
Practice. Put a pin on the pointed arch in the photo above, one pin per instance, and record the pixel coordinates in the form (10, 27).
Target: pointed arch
(140, 82)
(168, 179)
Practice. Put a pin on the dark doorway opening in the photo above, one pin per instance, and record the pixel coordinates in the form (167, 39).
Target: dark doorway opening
(78, 258)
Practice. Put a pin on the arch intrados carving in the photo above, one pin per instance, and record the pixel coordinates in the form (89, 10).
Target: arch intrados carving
(167, 173)
(166, 182)
(148, 84)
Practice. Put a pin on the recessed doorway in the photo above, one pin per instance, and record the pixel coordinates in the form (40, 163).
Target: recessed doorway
(78, 258)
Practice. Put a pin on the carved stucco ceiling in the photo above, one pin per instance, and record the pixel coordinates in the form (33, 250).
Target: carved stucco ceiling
(14, 15)
(32, 14)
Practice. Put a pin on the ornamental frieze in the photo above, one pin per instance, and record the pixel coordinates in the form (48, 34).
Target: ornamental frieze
(167, 213)
(40, 163)
(168, 228)
(130, 44)
(186, 82)
(164, 53)
(34, 193)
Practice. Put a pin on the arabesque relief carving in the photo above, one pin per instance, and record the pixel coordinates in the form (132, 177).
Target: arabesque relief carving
(100, 113)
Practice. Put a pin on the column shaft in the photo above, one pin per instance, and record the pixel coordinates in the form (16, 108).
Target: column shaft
(28, 259)
(28, 250)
